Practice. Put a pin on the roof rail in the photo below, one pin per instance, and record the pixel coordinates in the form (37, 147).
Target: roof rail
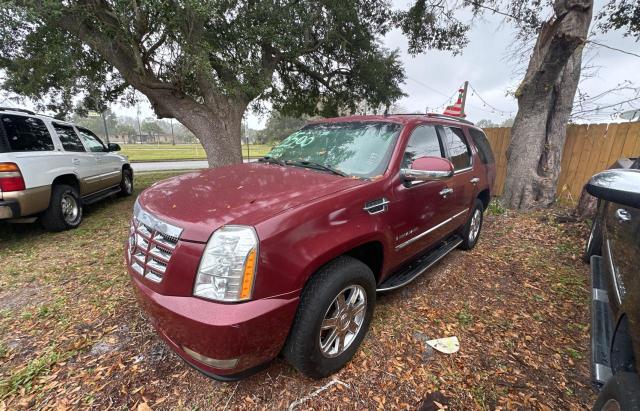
(22, 110)
(446, 117)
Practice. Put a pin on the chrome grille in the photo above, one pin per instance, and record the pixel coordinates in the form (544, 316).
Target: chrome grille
(150, 247)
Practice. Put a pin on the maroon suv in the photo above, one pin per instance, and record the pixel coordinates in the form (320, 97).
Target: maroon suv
(237, 264)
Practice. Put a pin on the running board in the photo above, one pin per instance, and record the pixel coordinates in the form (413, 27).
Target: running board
(419, 266)
(601, 324)
(95, 197)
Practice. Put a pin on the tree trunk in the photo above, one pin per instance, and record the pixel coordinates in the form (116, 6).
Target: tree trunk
(545, 98)
(217, 125)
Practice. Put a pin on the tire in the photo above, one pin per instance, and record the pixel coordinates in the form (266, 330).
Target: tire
(471, 231)
(343, 276)
(65, 209)
(594, 243)
(126, 184)
(623, 390)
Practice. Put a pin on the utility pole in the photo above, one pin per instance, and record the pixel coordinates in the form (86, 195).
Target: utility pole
(138, 118)
(106, 130)
(173, 137)
(246, 134)
(464, 98)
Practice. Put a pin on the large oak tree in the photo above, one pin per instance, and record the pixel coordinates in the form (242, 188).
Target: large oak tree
(203, 61)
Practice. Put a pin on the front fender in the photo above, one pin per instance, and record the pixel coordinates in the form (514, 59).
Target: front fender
(295, 244)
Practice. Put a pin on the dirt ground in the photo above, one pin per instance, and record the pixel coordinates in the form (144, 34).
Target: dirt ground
(72, 335)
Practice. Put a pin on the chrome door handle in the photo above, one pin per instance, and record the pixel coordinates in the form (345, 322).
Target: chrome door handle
(445, 192)
(623, 215)
(474, 181)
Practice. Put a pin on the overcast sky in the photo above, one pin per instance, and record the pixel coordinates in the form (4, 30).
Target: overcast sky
(434, 76)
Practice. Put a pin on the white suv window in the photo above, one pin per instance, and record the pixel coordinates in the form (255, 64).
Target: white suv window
(26, 133)
(68, 138)
(91, 141)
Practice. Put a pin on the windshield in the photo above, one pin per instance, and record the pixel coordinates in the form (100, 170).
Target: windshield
(360, 149)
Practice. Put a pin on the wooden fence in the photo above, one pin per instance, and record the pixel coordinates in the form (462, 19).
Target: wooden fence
(589, 148)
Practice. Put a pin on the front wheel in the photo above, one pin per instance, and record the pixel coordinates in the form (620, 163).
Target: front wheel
(620, 393)
(471, 230)
(126, 185)
(333, 317)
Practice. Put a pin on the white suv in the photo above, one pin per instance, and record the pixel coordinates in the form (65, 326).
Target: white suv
(49, 168)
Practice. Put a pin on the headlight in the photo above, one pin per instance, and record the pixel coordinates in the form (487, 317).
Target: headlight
(228, 265)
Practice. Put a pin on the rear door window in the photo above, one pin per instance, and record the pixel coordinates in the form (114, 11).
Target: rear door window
(68, 137)
(482, 143)
(423, 142)
(457, 147)
(26, 134)
(91, 141)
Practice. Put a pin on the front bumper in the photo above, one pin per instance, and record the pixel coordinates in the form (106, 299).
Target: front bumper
(251, 333)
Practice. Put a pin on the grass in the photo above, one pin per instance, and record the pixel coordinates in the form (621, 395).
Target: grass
(168, 152)
(24, 377)
(72, 333)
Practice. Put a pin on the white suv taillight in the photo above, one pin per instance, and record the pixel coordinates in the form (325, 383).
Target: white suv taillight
(11, 178)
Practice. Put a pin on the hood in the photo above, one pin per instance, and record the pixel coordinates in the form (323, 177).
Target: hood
(245, 194)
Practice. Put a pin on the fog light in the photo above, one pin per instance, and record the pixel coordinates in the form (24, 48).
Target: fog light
(222, 364)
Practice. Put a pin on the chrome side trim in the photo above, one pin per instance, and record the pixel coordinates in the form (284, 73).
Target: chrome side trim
(614, 276)
(462, 170)
(373, 205)
(600, 295)
(421, 175)
(419, 273)
(419, 236)
(101, 176)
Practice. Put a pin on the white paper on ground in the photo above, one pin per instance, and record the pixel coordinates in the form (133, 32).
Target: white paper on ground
(447, 345)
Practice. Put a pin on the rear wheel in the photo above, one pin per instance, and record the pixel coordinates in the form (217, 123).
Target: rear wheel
(620, 393)
(65, 209)
(333, 317)
(471, 230)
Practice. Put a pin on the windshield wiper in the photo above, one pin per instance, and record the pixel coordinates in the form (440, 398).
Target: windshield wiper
(313, 164)
(272, 160)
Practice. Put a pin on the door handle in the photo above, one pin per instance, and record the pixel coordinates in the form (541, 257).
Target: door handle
(474, 181)
(623, 215)
(75, 161)
(445, 192)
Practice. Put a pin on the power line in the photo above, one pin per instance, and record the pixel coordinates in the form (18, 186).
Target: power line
(429, 87)
(613, 48)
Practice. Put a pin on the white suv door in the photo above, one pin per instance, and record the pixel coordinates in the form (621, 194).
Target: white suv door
(84, 163)
(109, 163)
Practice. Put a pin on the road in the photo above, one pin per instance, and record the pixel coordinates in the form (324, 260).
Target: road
(170, 165)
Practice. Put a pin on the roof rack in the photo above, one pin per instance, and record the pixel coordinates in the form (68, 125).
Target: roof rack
(21, 110)
(446, 117)
(434, 115)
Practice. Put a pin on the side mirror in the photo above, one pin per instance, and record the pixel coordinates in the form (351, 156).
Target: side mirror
(428, 169)
(620, 186)
(113, 147)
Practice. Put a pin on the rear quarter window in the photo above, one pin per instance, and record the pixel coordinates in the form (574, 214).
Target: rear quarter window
(22, 133)
(482, 143)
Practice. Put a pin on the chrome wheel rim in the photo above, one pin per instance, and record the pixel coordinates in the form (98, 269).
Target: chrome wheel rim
(128, 186)
(611, 405)
(70, 209)
(475, 225)
(343, 321)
